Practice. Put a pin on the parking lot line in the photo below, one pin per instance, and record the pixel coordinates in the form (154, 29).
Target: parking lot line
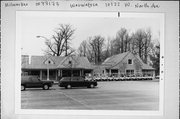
(132, 95)
(70, 97)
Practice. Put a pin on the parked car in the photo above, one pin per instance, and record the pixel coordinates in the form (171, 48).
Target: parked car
(77, 81)
(157, 77)
(35, 82)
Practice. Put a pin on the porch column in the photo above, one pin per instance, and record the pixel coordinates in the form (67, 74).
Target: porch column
(110, 72)
(47, 74)
(81, 72)
(56, 74)
(92, 73)
(153, 73)
(40, 75)
(104, 72)
(118, 72)
(61, 72)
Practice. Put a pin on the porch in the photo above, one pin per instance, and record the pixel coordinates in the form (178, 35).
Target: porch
(127, 73)
(55, 74)
(44, 74)
(74, 72)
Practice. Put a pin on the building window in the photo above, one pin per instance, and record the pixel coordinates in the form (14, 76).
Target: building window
(129, 61)
(129, 72)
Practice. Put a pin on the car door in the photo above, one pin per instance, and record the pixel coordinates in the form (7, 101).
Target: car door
(28, 82)
(74, 81)
(36, 82)
(86, 82)
(81, 81)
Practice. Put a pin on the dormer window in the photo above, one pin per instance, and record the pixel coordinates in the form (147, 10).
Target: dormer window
(49, 61)
(129, 61)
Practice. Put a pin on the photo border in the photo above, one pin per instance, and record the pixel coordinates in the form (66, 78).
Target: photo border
(18, 109)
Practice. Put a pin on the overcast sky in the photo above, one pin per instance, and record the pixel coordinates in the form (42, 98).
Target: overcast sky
(33, 26)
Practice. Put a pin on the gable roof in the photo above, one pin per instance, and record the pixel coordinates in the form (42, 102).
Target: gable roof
(38, 62)
(76, 62)
(143, 65)
(113, 60)
(116, 59)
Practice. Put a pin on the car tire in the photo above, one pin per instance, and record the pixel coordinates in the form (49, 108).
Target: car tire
(91, 86)
(68, 86)
(22, 87)
(45, 87)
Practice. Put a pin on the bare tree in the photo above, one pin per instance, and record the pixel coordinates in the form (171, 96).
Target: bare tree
(139, 36)
(122, 39)
(147, 43)
(115, 46)
(127, 40)
(107, 52)
(139, 43)
(97, 43)
(67, 33)
(142, 43)
(122, 42)
(155, 58)
(82, 50)
(60, 41)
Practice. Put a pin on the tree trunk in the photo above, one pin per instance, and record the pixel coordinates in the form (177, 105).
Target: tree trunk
(66, 48)
(122, 46)
(145, 52)
(140, 55)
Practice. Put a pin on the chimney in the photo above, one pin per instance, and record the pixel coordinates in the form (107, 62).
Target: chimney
(25, 59)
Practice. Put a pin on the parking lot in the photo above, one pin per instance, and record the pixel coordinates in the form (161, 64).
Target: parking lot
(109, 95)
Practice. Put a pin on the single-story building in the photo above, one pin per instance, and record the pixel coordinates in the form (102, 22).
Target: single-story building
(53, 67)
(125, 64)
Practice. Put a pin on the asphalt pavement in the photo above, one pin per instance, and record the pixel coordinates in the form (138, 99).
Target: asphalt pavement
(115, 95)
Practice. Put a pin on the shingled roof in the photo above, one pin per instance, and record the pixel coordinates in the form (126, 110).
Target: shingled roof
(39, 62)
(144, 66)
(73, 61)
(113, 60)
(116, 59)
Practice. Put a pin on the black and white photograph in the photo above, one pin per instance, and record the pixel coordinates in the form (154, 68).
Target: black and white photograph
(89, 63)
(89, 59)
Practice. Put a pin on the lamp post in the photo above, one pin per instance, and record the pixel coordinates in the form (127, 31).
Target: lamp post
(42, 37)
(70, 63)
(48, 62)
